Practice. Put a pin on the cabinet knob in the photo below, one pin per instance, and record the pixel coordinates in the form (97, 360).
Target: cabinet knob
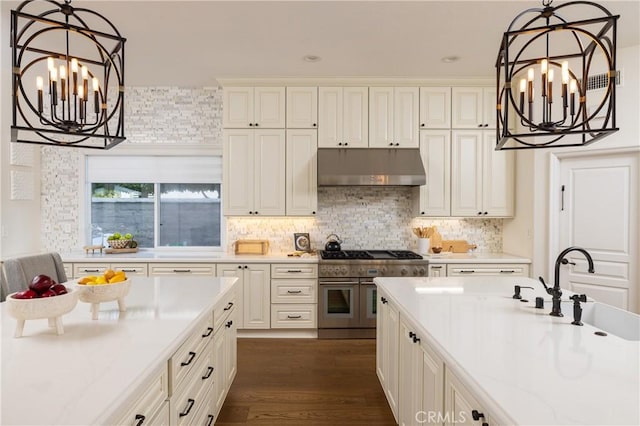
(486, 213)
(246, 267)
(250, 212)
(139, 419)
(250, 124)
(416, 339)
(314, 125)
(239, 266)
(339, 143)
(256, 212)
(397, 143)
(383, 300)
(229, 324)
(480, 125)
(486, 125)
(476, 415)
(411, 334)
(421, 212)
(479, 213)
(345, 144)
(256, 124)
(313, 212)
(390, 143)
(421, 124)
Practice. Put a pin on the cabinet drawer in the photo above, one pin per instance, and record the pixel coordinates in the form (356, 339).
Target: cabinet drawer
(294, 291)
(68, 270)
(294, 270)
(131, 268)
(223, 310)
(293, 316)
(82, 269)
(520, 270)
(186, 402)
(160, 418)
(183, 361)
(152, 396)
(206, 413)
(160, 269)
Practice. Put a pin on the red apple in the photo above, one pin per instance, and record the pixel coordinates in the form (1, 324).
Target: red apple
(27, 294)
(59, 289)
(41, 283)
(48, 293)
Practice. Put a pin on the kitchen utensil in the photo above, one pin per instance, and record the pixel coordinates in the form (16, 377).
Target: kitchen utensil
(333, 243)
(457, 246)
(251, 246)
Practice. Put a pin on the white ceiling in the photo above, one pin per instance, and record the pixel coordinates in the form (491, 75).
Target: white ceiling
(193, 43)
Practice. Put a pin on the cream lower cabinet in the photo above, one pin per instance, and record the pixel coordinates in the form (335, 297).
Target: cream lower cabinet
(387, 340)
(420, 379)
(301, 175)
(150, 406)
(487, 269)
(437, 270)
(186, 269)
(294, 295)
(482, 179)
(461, 405)
(77, 270)
(255, 282)
(224, 352)
(254, 172)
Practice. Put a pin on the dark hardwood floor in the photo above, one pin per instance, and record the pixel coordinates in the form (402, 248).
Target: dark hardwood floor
(306, 382)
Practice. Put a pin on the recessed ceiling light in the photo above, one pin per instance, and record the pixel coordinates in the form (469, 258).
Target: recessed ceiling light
(312, 58)
(450, 59)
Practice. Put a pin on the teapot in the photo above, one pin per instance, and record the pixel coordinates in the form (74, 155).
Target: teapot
(333, 243)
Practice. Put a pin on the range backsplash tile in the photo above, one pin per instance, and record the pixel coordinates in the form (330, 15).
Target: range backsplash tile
(364, 218)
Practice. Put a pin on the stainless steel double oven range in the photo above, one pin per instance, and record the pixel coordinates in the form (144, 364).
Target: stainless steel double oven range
(347, 295)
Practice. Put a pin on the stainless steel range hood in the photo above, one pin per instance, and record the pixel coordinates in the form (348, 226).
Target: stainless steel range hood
(370, 167)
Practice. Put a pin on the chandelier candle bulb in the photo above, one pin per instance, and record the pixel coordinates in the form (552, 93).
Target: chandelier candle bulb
(96, 95)
(54, 86)
(50, 63)
(63, 83)
(550, 84)
(74, 71)
(523, 88)
(39, 86)
(543, 77)
(572, 89)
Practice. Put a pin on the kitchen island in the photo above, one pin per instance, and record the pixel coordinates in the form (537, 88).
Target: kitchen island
(110, 370)
(462, 350)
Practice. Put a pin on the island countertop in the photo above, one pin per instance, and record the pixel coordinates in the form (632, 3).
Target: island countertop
(84, 375)
(526, 366)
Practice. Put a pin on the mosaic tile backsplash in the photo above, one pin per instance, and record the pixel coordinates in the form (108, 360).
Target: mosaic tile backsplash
(364, 217)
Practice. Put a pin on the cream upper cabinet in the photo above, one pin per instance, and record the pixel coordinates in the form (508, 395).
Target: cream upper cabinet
(435, 107)
(301, 173)
(254, 172)
(473, 107)
(254, 107)
(481, 178)
(434, 198)
(302, 107)
(393, 117)
(343, 119)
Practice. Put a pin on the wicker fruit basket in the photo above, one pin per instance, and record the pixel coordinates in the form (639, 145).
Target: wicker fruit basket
(118, 244)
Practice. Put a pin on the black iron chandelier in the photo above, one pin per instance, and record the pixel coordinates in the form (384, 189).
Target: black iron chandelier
(556, 78)
(68, 76)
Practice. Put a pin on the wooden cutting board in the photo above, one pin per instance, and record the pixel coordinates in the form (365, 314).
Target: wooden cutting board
(124, 250)
(457, 246)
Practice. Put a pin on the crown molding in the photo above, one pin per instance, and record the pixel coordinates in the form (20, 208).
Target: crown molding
(356, 81)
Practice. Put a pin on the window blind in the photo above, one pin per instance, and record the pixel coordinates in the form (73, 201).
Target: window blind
(154, 169)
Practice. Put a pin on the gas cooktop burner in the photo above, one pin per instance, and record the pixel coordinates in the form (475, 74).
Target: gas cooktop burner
(370, 255)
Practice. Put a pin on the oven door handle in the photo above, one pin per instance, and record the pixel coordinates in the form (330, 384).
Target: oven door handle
(338, 283)
(367, 282)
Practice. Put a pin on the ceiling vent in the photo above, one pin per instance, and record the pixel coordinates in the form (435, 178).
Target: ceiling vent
(600, 81)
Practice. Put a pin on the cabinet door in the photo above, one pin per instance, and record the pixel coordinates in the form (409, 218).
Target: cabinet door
(238, 107)
(435, 107)
(466, 173)
(489, 112)
(459, 403)
(409, 377)
(497, 179)
(219, 375)
(437, 271)
(234, 270)
(230, 346)
(257, 296)
(392, 336)
(301, 173)
(432, 368)
(269, 173)
(355, 123)
(302, 107)
(435, 150)
(269, 107)
(238, 172)
(381, 340)
(329, 117)
(467, 107)
(381, 117)
(405, 117)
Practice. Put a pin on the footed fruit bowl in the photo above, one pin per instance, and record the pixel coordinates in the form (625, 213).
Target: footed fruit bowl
(99, 293)
(51, 308)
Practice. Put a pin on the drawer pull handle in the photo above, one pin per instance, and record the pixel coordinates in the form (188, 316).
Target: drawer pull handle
(229, 324)
(383, 300)
(208, 333)
(210, 417)
(294, 316)
(190, 403)
(192, 355)
(181, 270)
(510, 271)
(469, 271)
(229, 306)
(128, 270)
(139, 419)
(436, 267)
(91, 270)
(294, 270)
(294, 291)
(209, 371)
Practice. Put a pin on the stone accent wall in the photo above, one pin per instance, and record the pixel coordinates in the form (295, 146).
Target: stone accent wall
(364, 217)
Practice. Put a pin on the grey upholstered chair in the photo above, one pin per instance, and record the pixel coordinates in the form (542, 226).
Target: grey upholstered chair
(19, 272)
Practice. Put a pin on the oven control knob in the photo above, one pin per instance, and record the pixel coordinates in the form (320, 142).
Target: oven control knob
(415, 271)
(343, 270)
(403, 271)
(422, 271)
(384, 270)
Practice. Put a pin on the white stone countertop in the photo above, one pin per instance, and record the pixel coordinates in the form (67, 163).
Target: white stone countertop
(525, 366)
(83, 376)
(158, 256)
(475, 258)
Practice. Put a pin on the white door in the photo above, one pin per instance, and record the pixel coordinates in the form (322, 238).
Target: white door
(599, 212)
(381, 132)
(238, 107)
(302, 107)
(302, 176)
(497, 179)
(489, 111)
(238, 172)
(435, 195)
(466, 107)
(269, 107)
(355, 125)
(405, 117)
(466, 173)
(435, 107)
(257, 296)
(234, 270)
(269, 183)
(329, 117)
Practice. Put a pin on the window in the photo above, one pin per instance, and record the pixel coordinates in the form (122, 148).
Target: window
(161, 201)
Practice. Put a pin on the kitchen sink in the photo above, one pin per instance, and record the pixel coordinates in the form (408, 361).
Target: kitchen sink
(610, 319)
